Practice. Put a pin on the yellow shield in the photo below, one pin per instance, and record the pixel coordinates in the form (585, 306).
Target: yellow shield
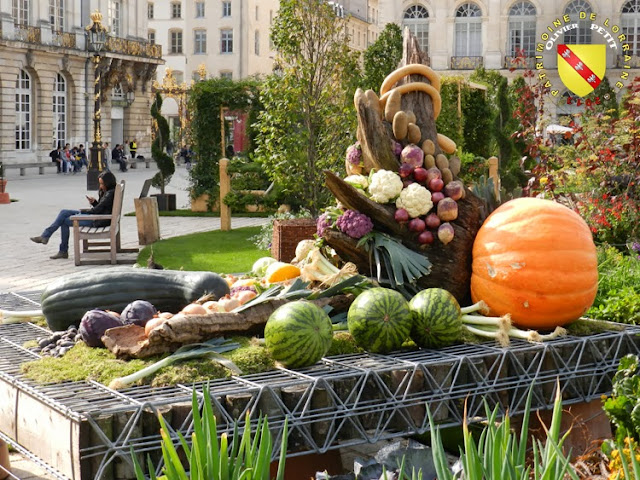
(582, 67)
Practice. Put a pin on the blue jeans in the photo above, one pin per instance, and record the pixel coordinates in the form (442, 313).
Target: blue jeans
(63, 222)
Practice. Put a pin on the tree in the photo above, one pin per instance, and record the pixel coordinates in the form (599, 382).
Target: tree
(308, 118)
(166, 167)
(382, 57)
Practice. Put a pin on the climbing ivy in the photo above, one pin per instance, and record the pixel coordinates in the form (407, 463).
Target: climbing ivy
(166, 167)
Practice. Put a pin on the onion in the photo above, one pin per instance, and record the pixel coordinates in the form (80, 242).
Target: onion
(436, 184)
(432, 221)
(413, 155)
(194, 309)
(447, 209)
(426, 238)
(228, 304)
(401, 215)
(420, 174)
(211, 306)
(165, 315)
(417, 225)
(153, 323)
(445, 233)
(245, 295)
(405, 170)
(454, 190)
(433, 172)
(436, 197)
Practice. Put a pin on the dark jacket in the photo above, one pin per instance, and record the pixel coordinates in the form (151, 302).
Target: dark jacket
(102, 206)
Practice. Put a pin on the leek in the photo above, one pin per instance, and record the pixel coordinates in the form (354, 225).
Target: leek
(15, 316)
(212, 349)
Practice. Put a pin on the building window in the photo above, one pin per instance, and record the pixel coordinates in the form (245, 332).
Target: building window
(56, 15)
(176, 10)
(199, 9)
(59, 111)
(226, 9)
(468, 28)
(175, 41)
(178, 76)
(256, 13)
(150, 11)
(23, 111)
(21, 12)
(270, 17)
(226, 41)
(522, 30)
(630, 20)
(115, 14)
(416, 18)
(583, 33)
(151, 36)
(226, 75)
(199, 41)
(256, 42)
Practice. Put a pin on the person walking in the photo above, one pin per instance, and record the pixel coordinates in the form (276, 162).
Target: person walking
(133, 149)
(102, 206)
(106, 157)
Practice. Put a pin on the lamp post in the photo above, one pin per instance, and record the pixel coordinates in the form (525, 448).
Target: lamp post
(97, 37)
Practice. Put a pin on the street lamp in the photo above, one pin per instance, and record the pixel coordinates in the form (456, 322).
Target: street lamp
(97, 37)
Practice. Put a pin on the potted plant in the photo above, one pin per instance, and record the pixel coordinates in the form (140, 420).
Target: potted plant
(4, 196)
(166, 167)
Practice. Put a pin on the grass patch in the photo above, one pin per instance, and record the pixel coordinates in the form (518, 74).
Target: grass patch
(216, 251)
(189, 213)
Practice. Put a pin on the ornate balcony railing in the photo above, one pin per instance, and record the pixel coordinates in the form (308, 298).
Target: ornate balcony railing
(634, 61)
(133, 47)
(519, 62)
(64, 39)
(25, 33)
(466, 63)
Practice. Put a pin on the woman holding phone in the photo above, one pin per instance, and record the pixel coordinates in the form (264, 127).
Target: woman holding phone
(102, 206)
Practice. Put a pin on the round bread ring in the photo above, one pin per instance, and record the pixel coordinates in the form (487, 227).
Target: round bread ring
(417, 87)
(411, 69)
(446, 144)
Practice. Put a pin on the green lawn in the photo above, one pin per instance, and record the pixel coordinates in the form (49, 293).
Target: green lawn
(189, 213)
(217, 251)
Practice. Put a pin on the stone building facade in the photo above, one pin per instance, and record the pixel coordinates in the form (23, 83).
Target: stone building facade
(47, 76)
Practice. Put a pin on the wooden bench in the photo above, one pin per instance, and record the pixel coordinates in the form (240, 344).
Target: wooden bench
(107, 239)
(23, 167)
(133, 162)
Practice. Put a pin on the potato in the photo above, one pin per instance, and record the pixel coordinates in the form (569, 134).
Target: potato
(411, 116)
(428, 147)
(447, 176)
(414, 133)
(429, 162)
(454, 165)
(373, 101)
(400, 125)
(442, 161)
(393, 106)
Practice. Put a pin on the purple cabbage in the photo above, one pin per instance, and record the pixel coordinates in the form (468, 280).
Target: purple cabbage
(354, 224)
(138, 313)
(93, 325)
(249, 288)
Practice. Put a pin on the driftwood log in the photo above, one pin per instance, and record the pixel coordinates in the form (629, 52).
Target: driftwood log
(130, 341)
(451, 263)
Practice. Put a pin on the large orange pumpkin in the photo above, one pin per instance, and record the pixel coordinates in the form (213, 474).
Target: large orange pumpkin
(536, 260)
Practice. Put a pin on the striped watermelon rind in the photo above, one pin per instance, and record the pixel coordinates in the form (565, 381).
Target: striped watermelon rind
(437, 320)
(379, 320)
(298, 334)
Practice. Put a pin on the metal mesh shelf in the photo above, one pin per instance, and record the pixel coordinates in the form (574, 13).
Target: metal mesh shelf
(342, 400)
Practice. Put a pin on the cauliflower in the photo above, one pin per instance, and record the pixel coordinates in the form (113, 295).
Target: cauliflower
(385, 186)
(415, 199)
(358, 181)
(323, 223)
(354, 224)
(354, 154)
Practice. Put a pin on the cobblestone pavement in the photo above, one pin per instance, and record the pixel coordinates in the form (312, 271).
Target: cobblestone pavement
(26, 266)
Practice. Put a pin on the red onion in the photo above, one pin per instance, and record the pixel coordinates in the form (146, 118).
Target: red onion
(426, 238)
(436, 197)
(436, 184)
(405, 170)
(454, 190)
(417, 225)
(420, 175)
(432, 221)
(433, 172)
(401, 215)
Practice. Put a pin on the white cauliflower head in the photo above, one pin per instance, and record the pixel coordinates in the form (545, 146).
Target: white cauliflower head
(385, 186)
(415, 199)
(358, 181)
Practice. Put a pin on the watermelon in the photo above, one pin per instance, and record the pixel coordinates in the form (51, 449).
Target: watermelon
(437, 319)
(298, 334)
(379, 320)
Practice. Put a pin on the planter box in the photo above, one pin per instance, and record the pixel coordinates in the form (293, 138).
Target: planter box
(287, 234)
(166, 202)
(201, 204)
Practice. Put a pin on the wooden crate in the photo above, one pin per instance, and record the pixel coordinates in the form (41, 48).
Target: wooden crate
(287, 234)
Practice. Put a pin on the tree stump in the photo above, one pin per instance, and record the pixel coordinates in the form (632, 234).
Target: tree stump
(451, 263)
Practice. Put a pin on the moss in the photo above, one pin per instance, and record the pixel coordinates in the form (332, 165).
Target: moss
(584, 327)
(189, 372)
(251, 357)
(30, 344)
(342, 344)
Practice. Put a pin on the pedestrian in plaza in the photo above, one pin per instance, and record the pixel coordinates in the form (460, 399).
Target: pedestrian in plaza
(56, 157)
(82, 156)
(125, 148)
(75, 161)
(185, 153)
(106, 157)
(102, 206)
(117, 154)
(133, 149)
(66, 159)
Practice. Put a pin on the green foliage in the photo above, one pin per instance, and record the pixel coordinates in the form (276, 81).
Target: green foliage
(382, 57)
(262, 239)
(450, 122)
(607, 99)
(166, 167)
(205, 101)
(308, 118)
(623, 405)
(618, 297)
(477, 114)
(502, 453)
(209, 457)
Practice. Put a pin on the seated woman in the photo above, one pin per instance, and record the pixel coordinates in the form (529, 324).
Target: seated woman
(102, 206)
